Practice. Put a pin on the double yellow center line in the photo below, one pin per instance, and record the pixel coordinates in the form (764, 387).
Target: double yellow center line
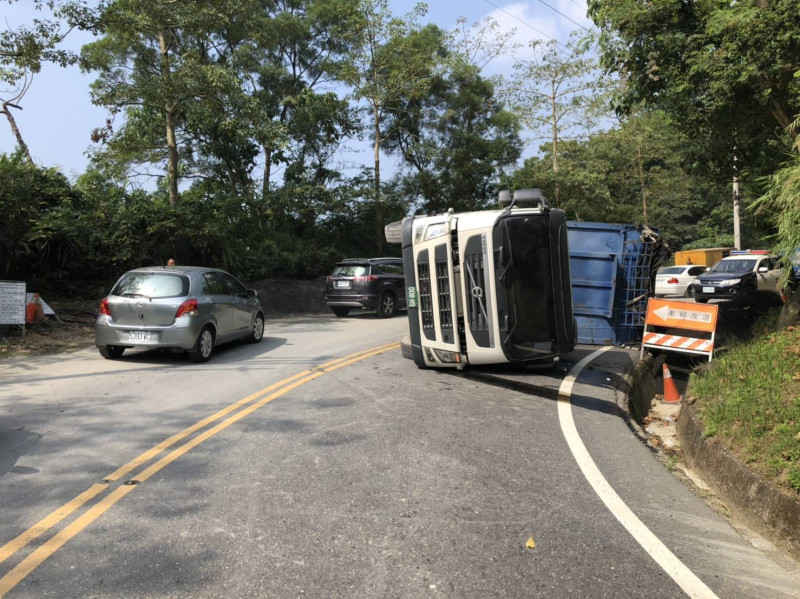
(223, 419)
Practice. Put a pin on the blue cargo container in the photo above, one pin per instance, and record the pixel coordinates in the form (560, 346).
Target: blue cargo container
(612, 268)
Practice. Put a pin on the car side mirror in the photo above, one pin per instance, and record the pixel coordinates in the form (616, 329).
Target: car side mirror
(251, 293)
(763, 269)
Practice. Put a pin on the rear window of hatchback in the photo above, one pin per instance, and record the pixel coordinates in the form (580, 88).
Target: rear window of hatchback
(152, 285)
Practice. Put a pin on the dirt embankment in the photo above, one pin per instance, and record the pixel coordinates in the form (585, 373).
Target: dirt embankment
(73, 326)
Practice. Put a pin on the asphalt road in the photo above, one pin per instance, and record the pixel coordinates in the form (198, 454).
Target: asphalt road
(310, 476)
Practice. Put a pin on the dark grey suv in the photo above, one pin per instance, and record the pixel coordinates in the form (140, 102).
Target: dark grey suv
(366, 283)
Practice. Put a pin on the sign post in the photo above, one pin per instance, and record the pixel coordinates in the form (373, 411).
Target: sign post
(689, 317)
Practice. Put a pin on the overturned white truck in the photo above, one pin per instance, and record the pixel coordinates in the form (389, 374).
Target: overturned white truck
(488, 287)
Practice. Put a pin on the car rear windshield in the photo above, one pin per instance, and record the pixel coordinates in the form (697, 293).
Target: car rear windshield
(672, 270)
(349, 270)
(152, 285)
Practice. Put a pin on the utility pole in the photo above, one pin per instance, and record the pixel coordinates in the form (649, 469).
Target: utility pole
(737, 234)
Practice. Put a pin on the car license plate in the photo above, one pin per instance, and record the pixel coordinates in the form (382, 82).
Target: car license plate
(139, 336)
(708, 290)
(343, 284)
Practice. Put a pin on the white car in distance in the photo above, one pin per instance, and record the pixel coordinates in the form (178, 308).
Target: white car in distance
(677, 280)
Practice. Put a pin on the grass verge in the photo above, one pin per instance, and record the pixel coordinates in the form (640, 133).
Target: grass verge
(749, 399)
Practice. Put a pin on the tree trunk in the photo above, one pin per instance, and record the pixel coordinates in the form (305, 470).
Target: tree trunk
(15, 130)
(378, 203)
(640, 172)
(555, 140)
(170, 108)
(778, 111)
(267, 172)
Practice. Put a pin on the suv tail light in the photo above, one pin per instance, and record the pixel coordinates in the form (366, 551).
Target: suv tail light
(187, 307)
(104, 309)
(367, 278)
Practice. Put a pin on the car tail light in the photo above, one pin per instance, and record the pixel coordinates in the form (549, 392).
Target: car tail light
(672, 281)
(367, 278)
(187, 307)
(104, 309)
(328, 279)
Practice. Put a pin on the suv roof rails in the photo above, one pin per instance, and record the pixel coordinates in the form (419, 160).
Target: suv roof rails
(370, 259)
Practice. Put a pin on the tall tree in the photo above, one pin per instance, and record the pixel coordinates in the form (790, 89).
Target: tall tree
(457, 140)
(558, 92)
(24, 50)
(609, 176)
(152, 63)
(288, 55)
(392, 57)
(725, 71)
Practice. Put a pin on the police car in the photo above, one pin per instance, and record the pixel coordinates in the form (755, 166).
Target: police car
(744, 273)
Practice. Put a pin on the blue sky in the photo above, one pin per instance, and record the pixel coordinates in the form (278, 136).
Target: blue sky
(58, 116)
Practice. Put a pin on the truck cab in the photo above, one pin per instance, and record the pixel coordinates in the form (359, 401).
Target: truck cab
(489, 287)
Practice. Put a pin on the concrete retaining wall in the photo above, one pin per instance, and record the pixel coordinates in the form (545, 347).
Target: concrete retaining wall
(642, 389)
(768, 511)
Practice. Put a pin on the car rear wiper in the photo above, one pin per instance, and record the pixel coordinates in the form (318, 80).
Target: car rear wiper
(137, 295)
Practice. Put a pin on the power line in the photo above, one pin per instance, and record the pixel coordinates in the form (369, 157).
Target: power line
(539, 31)
(563, 15)
(579, 5)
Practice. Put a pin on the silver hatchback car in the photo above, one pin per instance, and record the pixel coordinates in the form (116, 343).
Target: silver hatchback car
(177, 307)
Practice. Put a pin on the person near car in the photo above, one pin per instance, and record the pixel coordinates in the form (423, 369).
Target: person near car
(171, 262)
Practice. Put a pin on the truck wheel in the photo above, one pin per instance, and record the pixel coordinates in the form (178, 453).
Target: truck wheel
(387, 305)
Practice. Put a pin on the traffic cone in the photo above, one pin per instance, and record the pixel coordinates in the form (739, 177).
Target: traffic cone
(671, 394)
(34, 311)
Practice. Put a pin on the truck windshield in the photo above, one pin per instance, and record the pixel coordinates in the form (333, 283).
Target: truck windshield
(524, 285)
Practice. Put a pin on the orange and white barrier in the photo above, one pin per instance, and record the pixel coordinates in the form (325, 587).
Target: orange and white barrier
(666, 317)
(678, 342)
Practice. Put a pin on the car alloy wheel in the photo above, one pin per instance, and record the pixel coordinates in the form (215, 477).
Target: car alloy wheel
(204, 346)
(386, 305)
(257, 332)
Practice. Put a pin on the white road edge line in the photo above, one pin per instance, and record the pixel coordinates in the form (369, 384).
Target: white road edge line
(683, 576)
